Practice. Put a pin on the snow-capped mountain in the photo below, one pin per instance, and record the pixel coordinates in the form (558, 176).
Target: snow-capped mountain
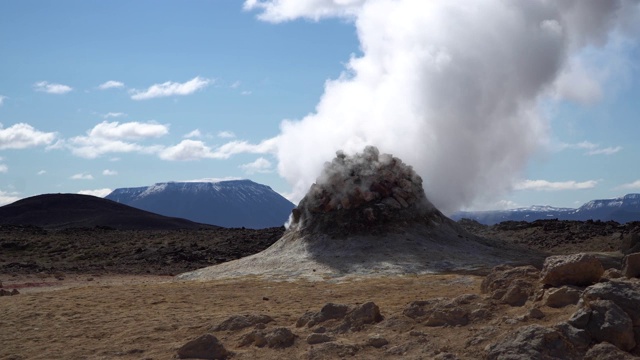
(622, 210)
(232, 203)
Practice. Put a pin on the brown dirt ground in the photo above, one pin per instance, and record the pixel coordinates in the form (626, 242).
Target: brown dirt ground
(138, 317)
(86, 295)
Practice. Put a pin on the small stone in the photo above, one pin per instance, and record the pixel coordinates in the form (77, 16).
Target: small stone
(377, 341)
(205, 347)
(536, 313)
(280, 338)
(314, 338)
(612, 274)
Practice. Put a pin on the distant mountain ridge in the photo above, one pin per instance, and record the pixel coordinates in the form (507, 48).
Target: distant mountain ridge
(622, 209)
(231, 203)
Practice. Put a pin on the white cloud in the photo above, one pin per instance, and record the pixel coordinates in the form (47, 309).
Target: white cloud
(2, 98)
(97, 192)
(246, 92)
(109, 137)
(108, 172)
(8, 197)
(544, 185)
(113, 115)
(260, 165)
(188, 150)
(235, 85)
(130, 130)
(591, 148)
(41, 172)
(286, 10)
(44, 86)
(226, 134)
(242, 147)
(111, 84)
(605, 151)
(632, 185)
(4, 168)
(171, 88)
(81, 176)
(193, 134)
(21, 136)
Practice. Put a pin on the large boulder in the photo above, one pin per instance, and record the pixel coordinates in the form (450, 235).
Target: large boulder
(606, 351)
(576, 269)
(204, 347)
(631, 265)
(562, 296)
(630, 243)
(511, 285)
(626, 294)
(608, 322)
(533, 342)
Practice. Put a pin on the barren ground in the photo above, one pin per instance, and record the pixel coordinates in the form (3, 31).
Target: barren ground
(93, 313)
(151, 317)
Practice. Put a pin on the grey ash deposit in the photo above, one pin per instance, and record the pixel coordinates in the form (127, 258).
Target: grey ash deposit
(368, 192)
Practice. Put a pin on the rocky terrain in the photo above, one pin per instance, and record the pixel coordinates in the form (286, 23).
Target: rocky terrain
(34, 250)
(368, 269)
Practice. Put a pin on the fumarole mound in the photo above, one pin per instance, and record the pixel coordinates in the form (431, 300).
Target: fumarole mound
(367, 215)
(367, 193)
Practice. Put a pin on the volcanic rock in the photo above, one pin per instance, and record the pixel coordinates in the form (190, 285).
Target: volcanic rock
(204, 347)
(625, 294)
(608, 322)
(631, 267)
(576, 269)
(533, 342)
(277, 338)
(437, 312)
(238, 322)
(377, 341)
(367, 214)
(314, 339)
(562, 296)
(513, 286)
(328, 312)
(607, 351)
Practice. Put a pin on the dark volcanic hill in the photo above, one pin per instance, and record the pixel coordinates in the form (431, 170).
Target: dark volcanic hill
(62, 211)
(233, 203)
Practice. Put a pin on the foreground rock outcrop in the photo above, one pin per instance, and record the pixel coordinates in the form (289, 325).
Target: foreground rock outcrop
(607, 313)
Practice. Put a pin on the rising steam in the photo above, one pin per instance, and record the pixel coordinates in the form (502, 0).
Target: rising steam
(450, 87)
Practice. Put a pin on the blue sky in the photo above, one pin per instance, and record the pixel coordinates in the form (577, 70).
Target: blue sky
(98, 95)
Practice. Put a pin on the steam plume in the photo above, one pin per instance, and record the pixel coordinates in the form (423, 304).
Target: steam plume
(450, 87)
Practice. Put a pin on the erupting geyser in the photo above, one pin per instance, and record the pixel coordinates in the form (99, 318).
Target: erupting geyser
(368, 192)
(367, 215)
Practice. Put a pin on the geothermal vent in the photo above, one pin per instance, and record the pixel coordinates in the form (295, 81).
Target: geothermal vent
(367, 214)
(367, 193)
